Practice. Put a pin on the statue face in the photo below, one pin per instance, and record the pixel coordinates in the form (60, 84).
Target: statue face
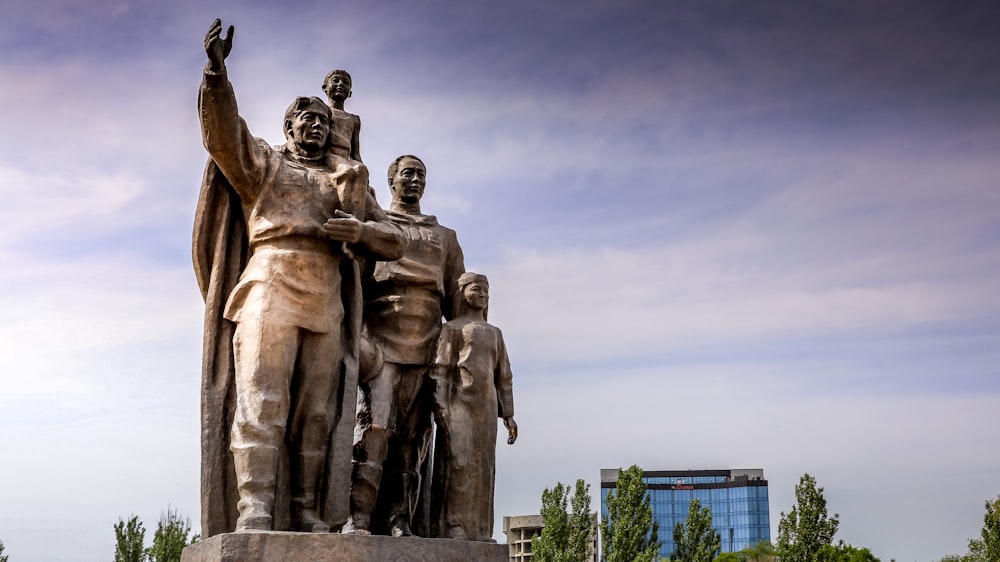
(338, 86)
(309, 129)
(409, 181)
(477, 294)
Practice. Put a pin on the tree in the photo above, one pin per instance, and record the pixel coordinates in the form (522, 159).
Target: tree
(629, 533)
(987, 547)
(581, 523)
(763, 551)
(844, 553)
(3, 557)
(760, 552)
(553, 542)
(991, 531)
(695, 539)
(129, 538)
(806, 528)
(566, 537)
(975, 553)
(170, 538)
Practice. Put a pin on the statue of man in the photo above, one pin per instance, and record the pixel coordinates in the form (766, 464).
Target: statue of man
(274, 233)
(404, 304)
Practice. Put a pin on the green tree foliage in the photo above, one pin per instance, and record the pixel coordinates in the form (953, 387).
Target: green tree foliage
(991, 531)
(760, 552)
(3, 557)
(170, 538)
(129, 538)
(566, 537)
(695, 539)
(806, 528)
(629, 533)
(975, 554)
(554, 540)
(844, 553)
(987, 547)
(581, 523)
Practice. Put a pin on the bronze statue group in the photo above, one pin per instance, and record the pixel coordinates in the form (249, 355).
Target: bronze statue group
(350, 380)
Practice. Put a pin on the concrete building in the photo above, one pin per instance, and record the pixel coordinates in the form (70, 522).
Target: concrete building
(737, 497)
(521, 528)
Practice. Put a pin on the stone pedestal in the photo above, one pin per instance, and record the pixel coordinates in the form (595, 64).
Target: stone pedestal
(333, 547)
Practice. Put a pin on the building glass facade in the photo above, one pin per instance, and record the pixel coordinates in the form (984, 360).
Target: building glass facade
(738, 500)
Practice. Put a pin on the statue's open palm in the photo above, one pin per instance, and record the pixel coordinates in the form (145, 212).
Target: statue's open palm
(216, 46)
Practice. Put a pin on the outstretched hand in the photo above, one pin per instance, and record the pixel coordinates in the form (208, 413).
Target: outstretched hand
(216, 47)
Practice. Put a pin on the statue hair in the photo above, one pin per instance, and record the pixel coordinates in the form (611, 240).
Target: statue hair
(301, 103)
(331, 74)
(464, 281)
(395, 165)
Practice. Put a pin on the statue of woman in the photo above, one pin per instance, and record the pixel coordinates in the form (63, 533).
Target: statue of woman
(472, 382)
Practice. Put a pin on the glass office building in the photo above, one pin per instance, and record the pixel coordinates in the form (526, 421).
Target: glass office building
(737, 498)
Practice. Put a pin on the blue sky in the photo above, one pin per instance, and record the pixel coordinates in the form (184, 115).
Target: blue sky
(719, 234)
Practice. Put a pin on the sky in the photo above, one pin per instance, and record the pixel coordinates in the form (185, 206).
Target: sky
(719, 234)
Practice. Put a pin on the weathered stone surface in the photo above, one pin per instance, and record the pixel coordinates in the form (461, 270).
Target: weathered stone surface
(278, 233)
(312, 289)
(473, 386)
(332, 547)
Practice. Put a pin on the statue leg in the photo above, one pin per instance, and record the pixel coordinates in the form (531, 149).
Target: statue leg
(410, 440)
(370, 447)
(255, 472)
(264, 358)
(312, 416)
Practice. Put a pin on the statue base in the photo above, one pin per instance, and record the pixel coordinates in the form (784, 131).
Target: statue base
(278, 546)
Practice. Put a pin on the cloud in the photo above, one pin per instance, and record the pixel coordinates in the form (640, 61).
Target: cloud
(59, 200)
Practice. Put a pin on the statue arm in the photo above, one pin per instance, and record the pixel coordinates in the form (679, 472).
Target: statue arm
(454, 267)
(442, 364)
(376, 235)
(383, 240)
(356, 139)
(240, 157)
(504, 381)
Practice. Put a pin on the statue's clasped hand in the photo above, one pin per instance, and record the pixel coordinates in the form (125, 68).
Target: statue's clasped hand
(345, 228)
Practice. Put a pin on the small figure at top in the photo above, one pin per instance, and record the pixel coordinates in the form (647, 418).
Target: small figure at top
(345, 128)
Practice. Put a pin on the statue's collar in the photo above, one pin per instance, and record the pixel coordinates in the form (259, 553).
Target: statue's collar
(292, 153)
(423, 220)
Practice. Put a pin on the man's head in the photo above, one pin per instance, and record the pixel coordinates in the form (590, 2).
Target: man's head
(307, 124)
(337, 85)
(475, 288)
(407, 179)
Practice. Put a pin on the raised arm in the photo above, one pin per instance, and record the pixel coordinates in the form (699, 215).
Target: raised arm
(239, 155)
